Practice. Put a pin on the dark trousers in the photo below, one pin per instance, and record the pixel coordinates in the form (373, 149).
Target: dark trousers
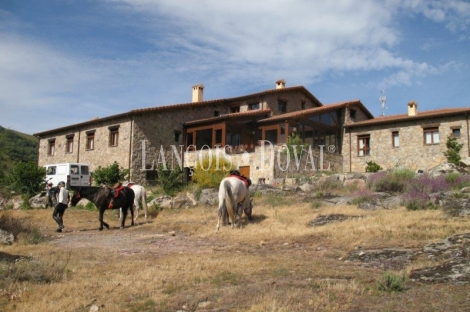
(59, 213)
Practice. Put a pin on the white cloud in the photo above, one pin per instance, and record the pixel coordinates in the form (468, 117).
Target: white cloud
(216, 43)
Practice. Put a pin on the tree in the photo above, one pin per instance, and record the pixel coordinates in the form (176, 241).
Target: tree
(28, 177)
(109, 175)
(171, 180)
(295, 145)
(453, 150)
(208, 172)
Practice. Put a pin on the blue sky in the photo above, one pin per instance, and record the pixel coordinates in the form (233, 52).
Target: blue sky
(68, 61)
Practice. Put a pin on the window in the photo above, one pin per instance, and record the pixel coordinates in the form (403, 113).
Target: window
(235, 109)
(69, 144)
(456, 132)
(253, 106)
(281, 106)
(395, 139)
(216, 113)
(177, 136)
(51, 147)
(113, 136)
(431, 135)
(352, 113)
(302, 104)
(363, 145)
(51, 170)
(218, 136)
(150, 173)
(90, 140)
(84, 170)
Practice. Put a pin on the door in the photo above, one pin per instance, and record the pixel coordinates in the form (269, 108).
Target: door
(245, 171)
(85, 179)
(75, 179)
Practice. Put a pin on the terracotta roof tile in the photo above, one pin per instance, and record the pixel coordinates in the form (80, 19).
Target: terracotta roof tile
(404, 117)
(317, 110)
(258, 112)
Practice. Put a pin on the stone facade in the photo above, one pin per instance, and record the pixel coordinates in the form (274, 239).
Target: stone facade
(102, 154)
(412, 151)
(143, 134)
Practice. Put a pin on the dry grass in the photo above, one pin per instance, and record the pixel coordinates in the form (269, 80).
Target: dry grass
(275, 263)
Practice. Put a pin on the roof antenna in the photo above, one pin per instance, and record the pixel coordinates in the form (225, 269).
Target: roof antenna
(383, 100)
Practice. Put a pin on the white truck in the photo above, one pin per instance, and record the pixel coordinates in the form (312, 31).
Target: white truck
(73, 174)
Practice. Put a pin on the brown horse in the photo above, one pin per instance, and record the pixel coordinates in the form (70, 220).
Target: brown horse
(105, 198)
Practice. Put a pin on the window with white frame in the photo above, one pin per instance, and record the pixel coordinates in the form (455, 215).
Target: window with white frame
(395, 139)
(113, 135)
(431, 135)
(90, 140)
(51, 147)
(69, 144)
(363, 145)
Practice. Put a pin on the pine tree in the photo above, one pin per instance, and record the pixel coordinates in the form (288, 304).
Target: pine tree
(453, 150)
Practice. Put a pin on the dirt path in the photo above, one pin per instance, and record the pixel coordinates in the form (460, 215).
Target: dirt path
(138, 241)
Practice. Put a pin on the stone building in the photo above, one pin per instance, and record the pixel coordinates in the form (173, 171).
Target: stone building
(416, 140)
(252, 131)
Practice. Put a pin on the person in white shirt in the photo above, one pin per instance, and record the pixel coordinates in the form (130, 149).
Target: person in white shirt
(62, 204)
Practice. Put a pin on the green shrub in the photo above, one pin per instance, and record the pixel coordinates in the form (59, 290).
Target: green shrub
(171, 180)
(28, 178)
(295, 145)
(403, 174)
(395, 181)
(372, 166)
(109, 175)
(209, 171)
(392, 282)
(453, 150)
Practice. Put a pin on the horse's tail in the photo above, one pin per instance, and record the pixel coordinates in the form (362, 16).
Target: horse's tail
(229, 200)
(143, 197)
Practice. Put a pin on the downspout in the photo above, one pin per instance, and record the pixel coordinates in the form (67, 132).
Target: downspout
(350, 151)
(184, 175)
(130, 147)
(78, 148)
(39, 146)
(468, 137)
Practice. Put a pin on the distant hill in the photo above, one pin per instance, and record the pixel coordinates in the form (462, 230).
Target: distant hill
(14, 147)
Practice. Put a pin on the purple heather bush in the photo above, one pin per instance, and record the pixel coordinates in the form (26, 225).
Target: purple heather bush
(364, 196)
(387, 182)
(458, 181)
(428, 184)
(419, 190)
(417, 200)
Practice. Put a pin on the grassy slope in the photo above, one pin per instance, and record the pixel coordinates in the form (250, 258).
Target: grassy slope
(15, 146)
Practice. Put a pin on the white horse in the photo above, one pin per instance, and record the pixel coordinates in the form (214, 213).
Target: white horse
(140, 197)
(232, 192)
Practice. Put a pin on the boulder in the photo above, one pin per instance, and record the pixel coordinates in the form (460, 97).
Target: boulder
(183, 201)
(209, 197)
(306, 188)
(446, 168)
(360, 184)
(16, 202)
(38, 201)
(162, 202)
(6, 238)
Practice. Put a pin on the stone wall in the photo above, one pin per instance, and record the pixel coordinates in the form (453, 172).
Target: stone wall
(412, 152)
(157, 129)
(101, 155)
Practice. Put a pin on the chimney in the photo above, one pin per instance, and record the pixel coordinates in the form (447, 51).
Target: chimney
(412, 108)
(280, 84)
(197, 93)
